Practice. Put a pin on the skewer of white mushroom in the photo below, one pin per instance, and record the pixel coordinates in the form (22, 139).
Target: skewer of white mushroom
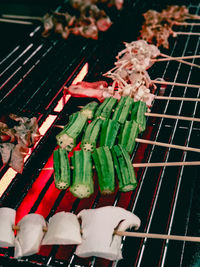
(136, 234)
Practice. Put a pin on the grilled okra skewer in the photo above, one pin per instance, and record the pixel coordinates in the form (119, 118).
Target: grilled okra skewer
(109, 131)
(61, 167)
(123, 109)
(67, 137)
(124, 169)
(105, 169)
(105, 109)
(90, 137)
(140, 117)
(82, 184)
(128, 134)
(89, 109)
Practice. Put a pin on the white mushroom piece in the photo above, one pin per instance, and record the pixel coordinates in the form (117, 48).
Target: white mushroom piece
(98, 226)
(30, 235)
(63, 229)
(7, 220)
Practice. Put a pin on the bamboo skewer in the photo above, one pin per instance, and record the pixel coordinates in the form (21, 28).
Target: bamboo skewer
(192, 16)
(180, 60)
(166, 164)
(17, 228)
(16, 21)
(157, 115)
(175, 58)
(21, 17)
(186, 23)
(153, 164)
(187, 33)
(175, 84)
(159, 236)
(186, 148)
(141, 235)
(176, 98)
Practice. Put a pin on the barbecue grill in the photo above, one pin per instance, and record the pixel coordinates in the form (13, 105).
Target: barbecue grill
(166, 199)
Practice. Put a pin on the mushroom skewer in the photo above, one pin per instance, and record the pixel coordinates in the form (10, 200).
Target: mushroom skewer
(140, 235)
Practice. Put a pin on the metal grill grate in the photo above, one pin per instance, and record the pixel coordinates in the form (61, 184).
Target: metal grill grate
(165, 197)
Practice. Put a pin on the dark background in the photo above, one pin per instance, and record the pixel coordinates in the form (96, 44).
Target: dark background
(12, 34)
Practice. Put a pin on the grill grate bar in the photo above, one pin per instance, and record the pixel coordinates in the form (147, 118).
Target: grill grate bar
(10, 54)
(51, 260)
(14, 61)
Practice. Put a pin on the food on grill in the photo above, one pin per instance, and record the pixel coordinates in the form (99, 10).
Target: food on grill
(87, 19)
(129, 131)
(129, 116)
(89, 140)
(124, 168)
(82, 185)
(29, 238)
(7, 219)
(86, 89)
(140, 117)
(136, 56)
(123, 109)
(105, 170)
(89, 109)
(13, 155)
(78, 3)
(6, 151)
(98, 226)
(26, 131)
(130, 75)
(109, 131)
(105, 109)
(176, 13)
(63, 229)
(157, 27)
(101, 92)
(62, 172)
(17, 140)
(6, 134)
(67, 137)
(157, 34)
(17, 157)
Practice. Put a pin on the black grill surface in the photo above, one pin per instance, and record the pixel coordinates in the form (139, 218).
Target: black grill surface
(167, 199)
